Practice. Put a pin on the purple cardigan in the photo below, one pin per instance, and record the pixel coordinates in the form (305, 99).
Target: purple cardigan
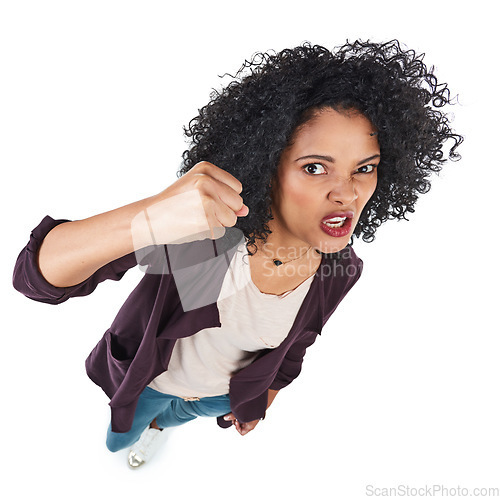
(138, 345)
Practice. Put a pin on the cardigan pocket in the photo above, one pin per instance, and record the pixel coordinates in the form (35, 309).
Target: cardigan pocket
(117, 364)
(119, 349)
(106, 366)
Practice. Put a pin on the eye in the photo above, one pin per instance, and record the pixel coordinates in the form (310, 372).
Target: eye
(366, 169)
(312, 169)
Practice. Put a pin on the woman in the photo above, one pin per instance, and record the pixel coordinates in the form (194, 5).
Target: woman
(248, 253)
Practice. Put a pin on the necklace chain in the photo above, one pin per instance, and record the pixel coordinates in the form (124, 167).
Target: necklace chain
(278, 262)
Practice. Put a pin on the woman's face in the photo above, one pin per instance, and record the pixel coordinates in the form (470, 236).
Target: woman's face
(325, 178)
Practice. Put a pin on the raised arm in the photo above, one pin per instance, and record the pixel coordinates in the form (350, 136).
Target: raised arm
(205, 198)
(64, 254)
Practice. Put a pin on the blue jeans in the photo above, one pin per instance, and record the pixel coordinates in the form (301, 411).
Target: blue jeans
(169, 411)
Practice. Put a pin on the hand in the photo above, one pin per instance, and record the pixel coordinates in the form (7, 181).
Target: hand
(242, 427)
(201, 204)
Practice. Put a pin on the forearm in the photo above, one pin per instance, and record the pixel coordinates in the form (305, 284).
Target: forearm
(73, 251)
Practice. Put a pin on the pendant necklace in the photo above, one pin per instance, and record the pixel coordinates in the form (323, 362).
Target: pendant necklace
(278, 262)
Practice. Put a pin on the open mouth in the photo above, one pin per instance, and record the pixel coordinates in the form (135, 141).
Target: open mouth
(335, 222)
(338, 225)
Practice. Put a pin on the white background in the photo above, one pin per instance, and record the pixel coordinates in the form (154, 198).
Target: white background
(401, 388)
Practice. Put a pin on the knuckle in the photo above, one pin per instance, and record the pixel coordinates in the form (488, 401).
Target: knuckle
(204, 167)
(202, 181)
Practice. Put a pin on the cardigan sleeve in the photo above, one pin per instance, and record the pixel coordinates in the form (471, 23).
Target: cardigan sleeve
(28, 279)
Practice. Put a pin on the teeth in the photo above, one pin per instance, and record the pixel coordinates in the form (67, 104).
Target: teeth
(335, 222)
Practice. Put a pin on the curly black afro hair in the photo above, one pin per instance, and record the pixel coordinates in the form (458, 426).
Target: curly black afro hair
(246, 126)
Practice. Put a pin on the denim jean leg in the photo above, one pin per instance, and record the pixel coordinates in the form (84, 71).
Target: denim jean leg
(214, 406)
(182, 411)
(151, 403)
(174, 415)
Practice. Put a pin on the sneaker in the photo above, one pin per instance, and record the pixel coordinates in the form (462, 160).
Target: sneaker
(143, 449)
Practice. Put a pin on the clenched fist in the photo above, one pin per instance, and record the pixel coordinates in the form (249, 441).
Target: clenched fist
(201, 204)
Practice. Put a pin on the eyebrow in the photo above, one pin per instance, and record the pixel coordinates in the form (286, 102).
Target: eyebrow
(331, 160)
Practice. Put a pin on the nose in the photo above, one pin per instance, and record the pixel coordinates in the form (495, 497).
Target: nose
(342, 191)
